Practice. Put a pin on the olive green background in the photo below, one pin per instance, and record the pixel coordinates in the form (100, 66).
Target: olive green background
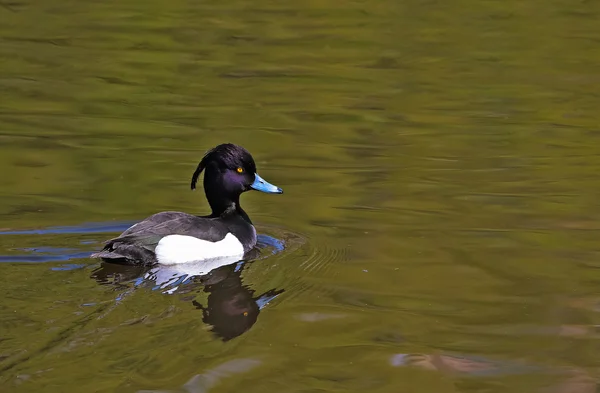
(441, 168)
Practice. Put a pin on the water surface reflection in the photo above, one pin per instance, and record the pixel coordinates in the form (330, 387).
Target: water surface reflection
(230, 308)
(570, 379)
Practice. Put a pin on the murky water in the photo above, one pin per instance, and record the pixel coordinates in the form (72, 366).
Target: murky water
(439, 228)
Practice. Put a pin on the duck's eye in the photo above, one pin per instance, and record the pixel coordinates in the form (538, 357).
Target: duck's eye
(240, 169)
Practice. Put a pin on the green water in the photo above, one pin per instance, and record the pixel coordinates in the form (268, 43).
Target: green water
(441, 213)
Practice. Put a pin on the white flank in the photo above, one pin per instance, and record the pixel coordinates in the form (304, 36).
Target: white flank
(175, 249)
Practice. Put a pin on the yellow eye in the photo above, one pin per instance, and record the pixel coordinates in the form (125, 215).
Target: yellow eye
(240, 169)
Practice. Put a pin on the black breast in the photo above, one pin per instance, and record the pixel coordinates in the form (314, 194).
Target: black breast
(242, 229)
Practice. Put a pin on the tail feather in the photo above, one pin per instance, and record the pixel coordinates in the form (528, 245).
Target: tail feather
(106, 254)
(126, 253)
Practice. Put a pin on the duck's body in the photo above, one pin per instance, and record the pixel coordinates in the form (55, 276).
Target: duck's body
(176, 237)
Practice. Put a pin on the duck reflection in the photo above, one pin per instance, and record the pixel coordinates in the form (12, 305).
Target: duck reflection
(231, 307)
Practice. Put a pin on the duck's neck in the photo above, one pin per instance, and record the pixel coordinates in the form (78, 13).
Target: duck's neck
(224, 206)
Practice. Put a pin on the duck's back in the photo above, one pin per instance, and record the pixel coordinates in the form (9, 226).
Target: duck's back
(176, 237)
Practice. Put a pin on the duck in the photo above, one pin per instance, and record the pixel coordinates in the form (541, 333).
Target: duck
(173, 237)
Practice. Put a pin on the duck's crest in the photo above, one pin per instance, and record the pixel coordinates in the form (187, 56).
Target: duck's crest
(228, 153)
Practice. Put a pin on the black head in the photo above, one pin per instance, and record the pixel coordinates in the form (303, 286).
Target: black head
(229, 171)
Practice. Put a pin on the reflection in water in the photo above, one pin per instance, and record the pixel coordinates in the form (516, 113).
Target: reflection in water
(469, 365)
(201, 383)
(574, 380)
(231, 307)
(85, 228)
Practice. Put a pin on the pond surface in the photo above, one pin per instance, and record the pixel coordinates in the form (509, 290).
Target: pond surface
(439, 230)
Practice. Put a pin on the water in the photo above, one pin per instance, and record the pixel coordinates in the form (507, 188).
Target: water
(440, 221)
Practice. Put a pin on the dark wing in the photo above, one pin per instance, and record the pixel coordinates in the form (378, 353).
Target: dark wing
(137, 244)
